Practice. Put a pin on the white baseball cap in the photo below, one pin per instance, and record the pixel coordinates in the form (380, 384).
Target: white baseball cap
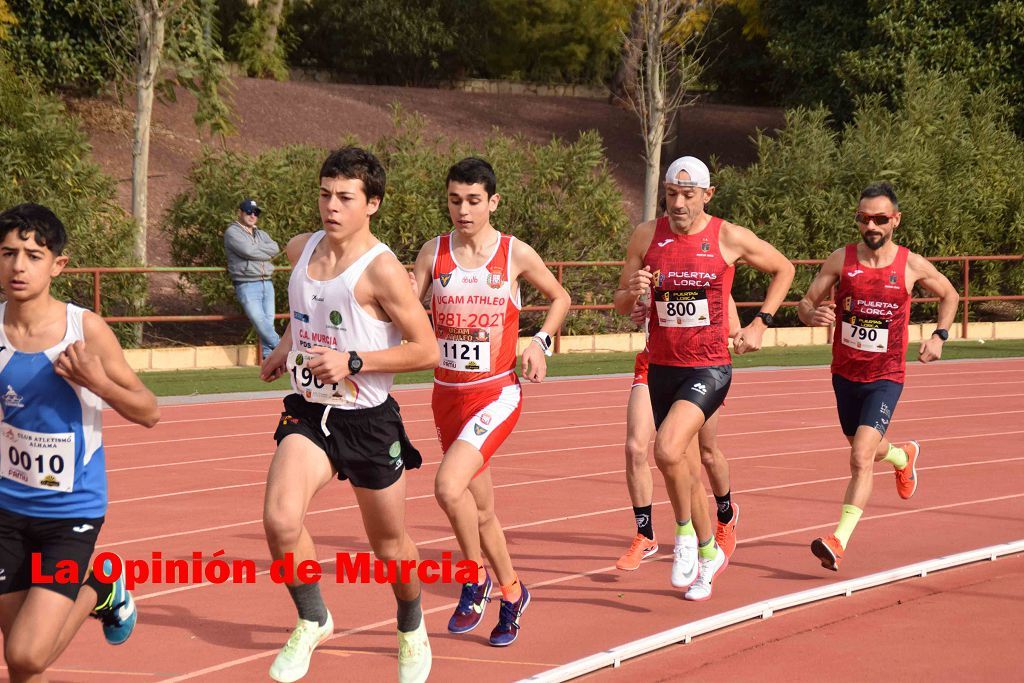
(699, 174)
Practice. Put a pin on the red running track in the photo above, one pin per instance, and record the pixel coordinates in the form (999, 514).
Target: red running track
(195, 483)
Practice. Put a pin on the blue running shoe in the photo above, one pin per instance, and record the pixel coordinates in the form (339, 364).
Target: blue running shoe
(118, 613)
(507, 630)
(472, 603)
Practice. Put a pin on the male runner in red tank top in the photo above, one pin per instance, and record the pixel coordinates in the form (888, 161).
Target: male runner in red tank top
(472, 276)
(685, 260)
(875, 279)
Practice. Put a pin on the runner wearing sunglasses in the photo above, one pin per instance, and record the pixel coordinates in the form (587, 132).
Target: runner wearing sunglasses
(871, 312)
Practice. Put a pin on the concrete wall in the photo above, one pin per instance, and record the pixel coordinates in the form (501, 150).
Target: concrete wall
(204, 357)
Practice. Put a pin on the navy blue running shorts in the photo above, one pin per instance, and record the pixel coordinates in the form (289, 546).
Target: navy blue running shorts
(705, 387)
(871, 404)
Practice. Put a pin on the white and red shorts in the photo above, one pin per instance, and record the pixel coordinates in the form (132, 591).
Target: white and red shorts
(640, 368)
(482, 416)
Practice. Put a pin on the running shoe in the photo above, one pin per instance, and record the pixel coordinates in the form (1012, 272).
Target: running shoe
(472, 603)
(906, 479)
(829, 550)
(118, 613)
(684, 562)
(414, 658)
(709, 569)
(725, 534)
(641, 547)
(507, 630)
(292, 661)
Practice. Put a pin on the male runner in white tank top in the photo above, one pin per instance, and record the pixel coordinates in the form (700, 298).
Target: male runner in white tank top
(351, 309)
(472, 274)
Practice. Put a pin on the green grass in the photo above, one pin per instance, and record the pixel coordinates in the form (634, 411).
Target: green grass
(189, 382)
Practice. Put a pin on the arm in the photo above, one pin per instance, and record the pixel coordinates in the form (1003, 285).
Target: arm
(422, 277)
(99, 365)
(636, 279)
(389, 283)
(274, 365)
(528, 264)
(266, 245)
(734, 317)
(810, 309)
(923, 273)
(236, 241)
(737, 243)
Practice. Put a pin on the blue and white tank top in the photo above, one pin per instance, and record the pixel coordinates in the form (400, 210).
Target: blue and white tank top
(325, 313)
(51, 440)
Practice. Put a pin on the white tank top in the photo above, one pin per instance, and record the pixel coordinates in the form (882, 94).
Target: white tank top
(326, 313)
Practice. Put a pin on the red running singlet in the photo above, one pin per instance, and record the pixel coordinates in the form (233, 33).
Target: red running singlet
(476, 316)
(872, 312)
(689, 321)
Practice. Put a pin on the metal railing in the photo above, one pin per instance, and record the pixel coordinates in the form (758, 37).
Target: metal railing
(559, 268)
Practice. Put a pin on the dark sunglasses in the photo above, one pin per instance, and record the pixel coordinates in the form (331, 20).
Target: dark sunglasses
(876, 218)
(252, 213)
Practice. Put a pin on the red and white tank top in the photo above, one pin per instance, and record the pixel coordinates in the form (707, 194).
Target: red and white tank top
(872, 312)
(476, 316)
(689, 319)
(325, 313)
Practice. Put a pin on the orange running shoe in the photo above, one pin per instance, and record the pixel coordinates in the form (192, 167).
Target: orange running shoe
(829, 550)
(725, 534)
(906, 479)
(640, 548)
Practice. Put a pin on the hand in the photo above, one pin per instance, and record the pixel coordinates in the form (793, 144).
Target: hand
(749, 338)
(640, 282)
(931, 349)
(328, 365)
(639, 313)
(76, 364)
(824, 315)
(273, 366)
(535, 363)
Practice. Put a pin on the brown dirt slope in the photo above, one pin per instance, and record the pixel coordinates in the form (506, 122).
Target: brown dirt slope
(270, 114)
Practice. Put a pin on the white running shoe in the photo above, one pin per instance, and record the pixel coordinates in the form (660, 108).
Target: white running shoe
(684, 562)
(414, 657)
(709, 569)
(292, 661)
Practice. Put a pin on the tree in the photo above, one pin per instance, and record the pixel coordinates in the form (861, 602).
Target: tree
(666, 56)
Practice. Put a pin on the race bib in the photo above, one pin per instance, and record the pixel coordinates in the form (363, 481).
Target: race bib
(687, 308)
(865, 334)
(41, 460)
(465, 349)
(313, 389)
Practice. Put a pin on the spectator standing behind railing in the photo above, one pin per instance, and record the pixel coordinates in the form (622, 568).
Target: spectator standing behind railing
(249, 253)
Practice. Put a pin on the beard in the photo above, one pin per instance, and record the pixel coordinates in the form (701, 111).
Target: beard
(874, 243)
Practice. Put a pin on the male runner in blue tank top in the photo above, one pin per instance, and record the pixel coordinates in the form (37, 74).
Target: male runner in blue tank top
(58, 365)
(352, 307)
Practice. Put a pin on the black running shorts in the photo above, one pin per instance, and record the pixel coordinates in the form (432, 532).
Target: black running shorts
(367, 446)
(705, 387)
(55, 540)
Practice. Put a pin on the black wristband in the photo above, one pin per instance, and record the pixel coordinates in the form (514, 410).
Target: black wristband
(941, 333)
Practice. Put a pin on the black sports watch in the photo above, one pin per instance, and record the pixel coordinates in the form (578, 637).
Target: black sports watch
(768, 318)
(355, 363)
(941, 333)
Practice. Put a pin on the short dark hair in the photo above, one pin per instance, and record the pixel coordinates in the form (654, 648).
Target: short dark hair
(35, 218)
(355, 163)
(882, 189)
(473, 170)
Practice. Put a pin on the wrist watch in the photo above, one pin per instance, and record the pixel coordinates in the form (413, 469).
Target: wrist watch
(941, 333)
(355, 363)
(543, 339)
(768, 318)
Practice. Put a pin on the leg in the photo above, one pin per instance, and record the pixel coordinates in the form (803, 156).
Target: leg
(269, 339)
(250, 297)
(30, 640)
(383, 513)
(639, 432)
(712, 458)
(299, 469)
(451, 490)
(492, 536)
(680, 464)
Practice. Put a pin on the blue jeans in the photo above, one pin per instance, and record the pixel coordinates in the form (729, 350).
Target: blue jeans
(257, 299)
